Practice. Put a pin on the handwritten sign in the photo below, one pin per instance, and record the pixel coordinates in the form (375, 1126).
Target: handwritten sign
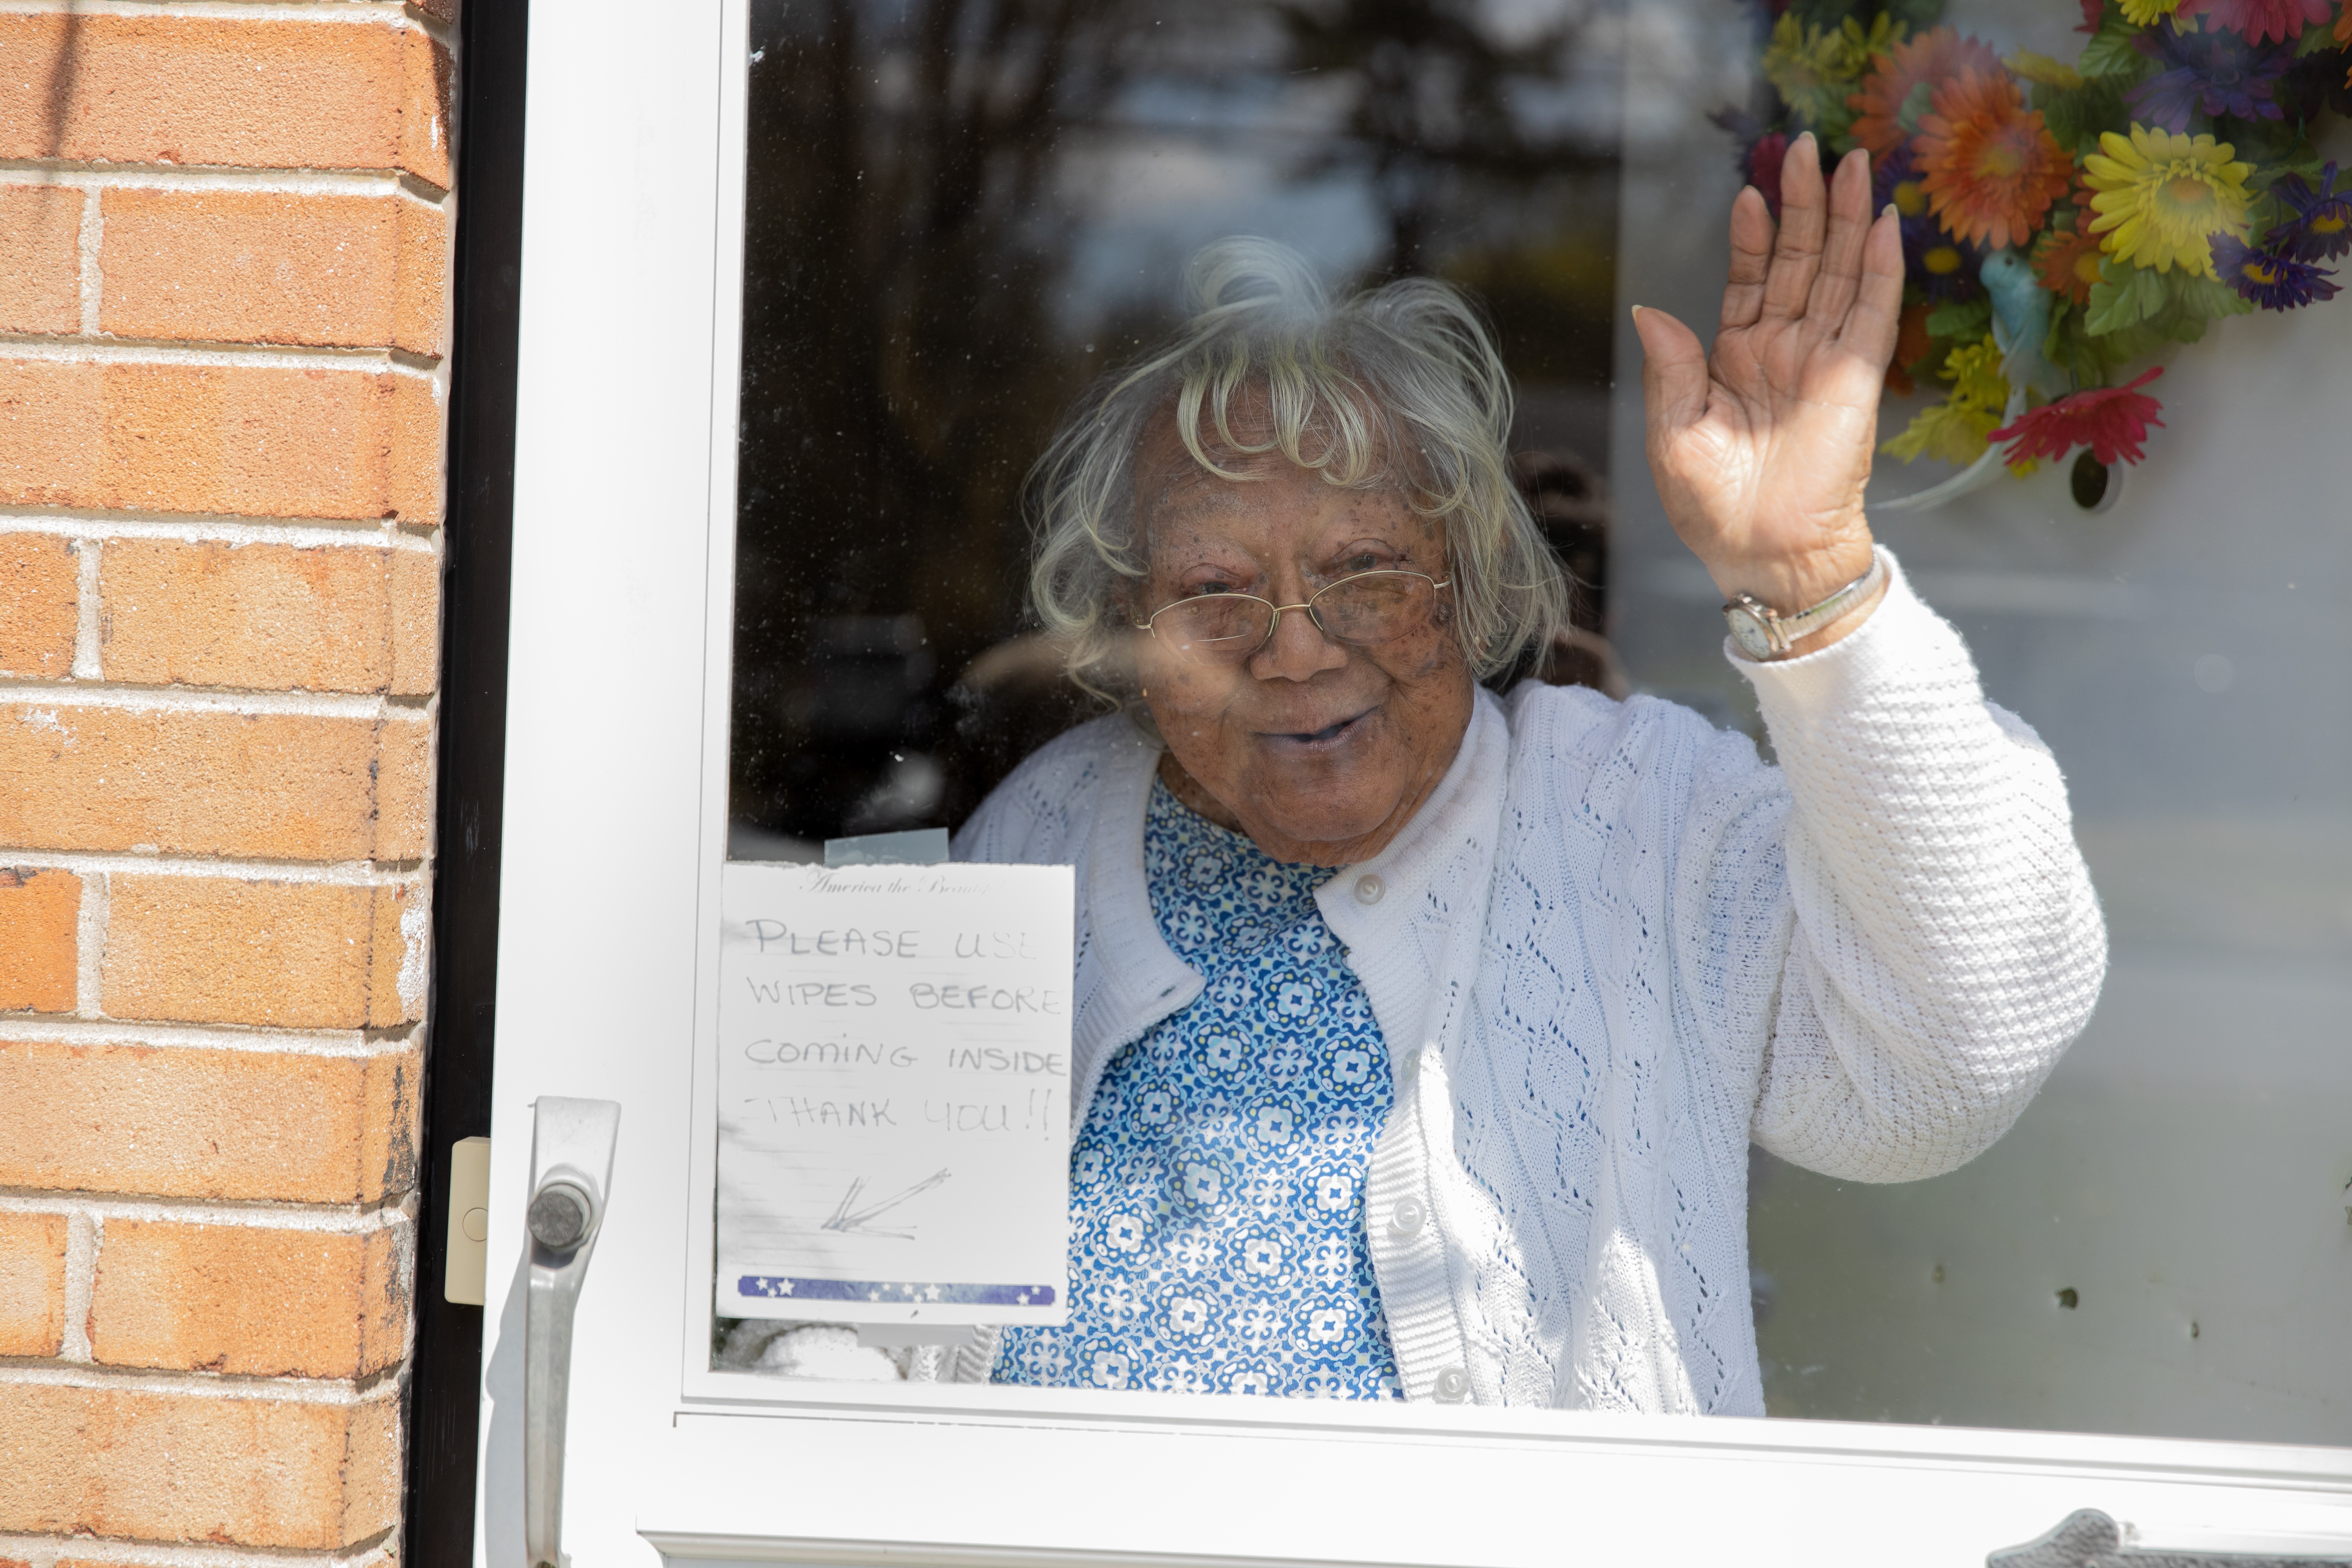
(894, 1049)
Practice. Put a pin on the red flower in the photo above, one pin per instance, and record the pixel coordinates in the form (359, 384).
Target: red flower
(2260, 19)
(1991, 170)
(1929, 60)
(2110, 420)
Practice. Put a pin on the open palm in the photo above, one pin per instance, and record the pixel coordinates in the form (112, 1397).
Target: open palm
(1761, 449)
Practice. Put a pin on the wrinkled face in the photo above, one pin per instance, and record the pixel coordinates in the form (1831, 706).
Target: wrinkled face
(1319, 751)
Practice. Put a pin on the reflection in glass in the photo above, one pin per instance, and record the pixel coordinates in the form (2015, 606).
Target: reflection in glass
(959, 214)
(2184, 1171)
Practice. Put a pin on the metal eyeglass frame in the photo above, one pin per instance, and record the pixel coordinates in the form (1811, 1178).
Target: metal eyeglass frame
(1307, 604)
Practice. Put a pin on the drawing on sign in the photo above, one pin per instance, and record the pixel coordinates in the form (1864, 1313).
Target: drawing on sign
(862, 1220)
(894, 1093)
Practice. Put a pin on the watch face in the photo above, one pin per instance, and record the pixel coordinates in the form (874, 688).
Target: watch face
(1747, 630)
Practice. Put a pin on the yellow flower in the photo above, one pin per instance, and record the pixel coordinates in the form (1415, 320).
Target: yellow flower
(1813, 68)
(2162, 197)
(2144, 13)
(1976, 380)
(1945, 430)
(2050, 72)
(1955, 428)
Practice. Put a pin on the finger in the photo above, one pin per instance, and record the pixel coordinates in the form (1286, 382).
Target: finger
(1673, 373)
(1841, 275)
(1797, 256)
(1751, 257)
(1871, 324)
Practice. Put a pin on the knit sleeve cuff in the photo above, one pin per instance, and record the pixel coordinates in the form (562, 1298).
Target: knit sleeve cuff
(1901, 643)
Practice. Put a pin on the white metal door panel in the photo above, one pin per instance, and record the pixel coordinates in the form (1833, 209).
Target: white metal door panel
(605, 724)
(615, 826)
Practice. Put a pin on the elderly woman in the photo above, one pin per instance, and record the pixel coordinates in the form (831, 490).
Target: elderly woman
(1421, 1036)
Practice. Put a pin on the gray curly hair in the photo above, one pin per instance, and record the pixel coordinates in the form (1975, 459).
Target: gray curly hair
(1395, 384)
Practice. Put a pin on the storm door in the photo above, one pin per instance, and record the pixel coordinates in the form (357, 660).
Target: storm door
(793, 336)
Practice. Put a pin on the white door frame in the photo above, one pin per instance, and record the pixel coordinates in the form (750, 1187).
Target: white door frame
(616, 827)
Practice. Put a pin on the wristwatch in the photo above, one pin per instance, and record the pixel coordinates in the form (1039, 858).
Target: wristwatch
(1764, 633)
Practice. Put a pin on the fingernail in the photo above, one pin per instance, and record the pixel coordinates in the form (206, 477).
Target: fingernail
(1887, 211)
(1804, 136)
(1637, 312)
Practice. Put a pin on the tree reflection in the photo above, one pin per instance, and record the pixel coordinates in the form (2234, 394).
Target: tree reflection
(961, 210)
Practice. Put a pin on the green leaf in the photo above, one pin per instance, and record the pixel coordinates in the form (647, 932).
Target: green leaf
(2069, 347)
(2175, 304)
(1833, 123)
(2062, 111)
(2314, 40)
(2302, 159)
(1915, 103)
(2110, 52)
(2265, 142)
(2117, 349)
(2075, 116)
(2181, 328)
(2124, 296)
(1968, 320)
(2094, 361)
(2054, 342)
(2192, 303)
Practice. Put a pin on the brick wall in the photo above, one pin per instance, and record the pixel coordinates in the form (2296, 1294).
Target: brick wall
(224, 232)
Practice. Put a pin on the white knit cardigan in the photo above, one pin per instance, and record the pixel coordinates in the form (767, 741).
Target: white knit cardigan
(1612, 949)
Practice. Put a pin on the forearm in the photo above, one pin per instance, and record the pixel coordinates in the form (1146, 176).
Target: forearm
(1947, 942)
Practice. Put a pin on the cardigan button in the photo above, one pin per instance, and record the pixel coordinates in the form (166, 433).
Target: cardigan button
(1406, 1218)
(1453, 1386)
(1369, 888)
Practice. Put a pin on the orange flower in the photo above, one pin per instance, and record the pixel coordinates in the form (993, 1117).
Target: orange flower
(1927, 60)
(2068, 259)
(1991, 169)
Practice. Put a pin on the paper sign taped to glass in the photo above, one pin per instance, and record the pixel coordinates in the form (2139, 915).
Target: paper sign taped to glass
(894, 1047)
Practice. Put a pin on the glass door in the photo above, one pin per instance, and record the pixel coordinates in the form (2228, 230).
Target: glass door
(794, 339)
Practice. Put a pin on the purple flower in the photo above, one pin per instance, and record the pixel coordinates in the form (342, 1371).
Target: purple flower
(1944, 267)
(2321, 229)
(2269, 277)
(2210, 72)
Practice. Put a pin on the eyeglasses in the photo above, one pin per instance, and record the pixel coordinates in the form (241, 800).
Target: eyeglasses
(1364, 610)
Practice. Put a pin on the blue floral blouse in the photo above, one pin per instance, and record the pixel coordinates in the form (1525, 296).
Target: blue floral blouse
(1217, 1188)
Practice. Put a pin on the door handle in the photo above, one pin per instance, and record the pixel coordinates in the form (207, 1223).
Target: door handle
(570, 1172)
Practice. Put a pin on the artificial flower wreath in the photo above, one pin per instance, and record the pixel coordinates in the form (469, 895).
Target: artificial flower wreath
(2061, 222)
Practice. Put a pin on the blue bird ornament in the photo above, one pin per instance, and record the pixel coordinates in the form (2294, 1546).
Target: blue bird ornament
(2020, 325)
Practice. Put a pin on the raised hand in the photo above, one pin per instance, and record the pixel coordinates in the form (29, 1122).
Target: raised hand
(1761, 449)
